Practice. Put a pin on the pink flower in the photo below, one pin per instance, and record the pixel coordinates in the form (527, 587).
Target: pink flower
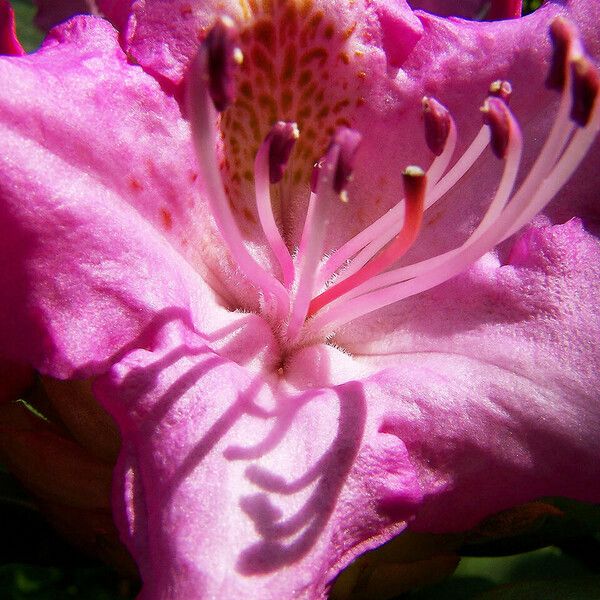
(171, 259)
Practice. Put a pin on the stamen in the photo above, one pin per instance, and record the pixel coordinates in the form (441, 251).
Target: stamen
(269, 166)
(463, 164)
(397, 284)
(501, 220)
(333, 170)
(495, 115)
(414, 186)
(561, 172)
(224, 57)
(369, 281)
(586, 84)
(564, 40)
(437, 124)
(348, 141)
(388, 225)
(203, 119)
(501, 89)
(507, 182)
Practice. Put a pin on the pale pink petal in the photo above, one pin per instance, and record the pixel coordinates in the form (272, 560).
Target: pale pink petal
(240, 480)
(500, 367)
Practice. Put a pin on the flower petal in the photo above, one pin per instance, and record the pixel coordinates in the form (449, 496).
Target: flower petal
(303, 471)
(231, 484)
(96, 194)
(501, 366)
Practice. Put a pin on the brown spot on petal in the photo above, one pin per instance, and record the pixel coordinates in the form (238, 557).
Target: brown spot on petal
(166, 218)
(135, 184)
(249, 216)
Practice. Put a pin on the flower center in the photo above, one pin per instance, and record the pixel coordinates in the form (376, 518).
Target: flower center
(309, 296)
(296, 69)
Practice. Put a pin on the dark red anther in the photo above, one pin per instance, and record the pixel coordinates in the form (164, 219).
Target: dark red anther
(563, 35)
(497, 116)
(504, 9)
(348, 141)
(437, 124)
(281, 138)
(501, 89)
(586, 86)
(223, 58)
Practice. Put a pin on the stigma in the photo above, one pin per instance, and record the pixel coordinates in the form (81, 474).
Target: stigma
(314, 292)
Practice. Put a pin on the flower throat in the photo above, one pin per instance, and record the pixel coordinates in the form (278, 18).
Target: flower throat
(279, 126)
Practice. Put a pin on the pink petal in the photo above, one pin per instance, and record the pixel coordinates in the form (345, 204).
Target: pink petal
(495, 375)
(237, 481)
(96, 195)
(218, 498)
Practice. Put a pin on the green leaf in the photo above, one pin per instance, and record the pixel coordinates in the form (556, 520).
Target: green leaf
(585, 588)
(29, 35)
(28, 582)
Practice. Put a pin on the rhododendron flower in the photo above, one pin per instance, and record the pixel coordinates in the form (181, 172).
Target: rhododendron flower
(310, 284)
